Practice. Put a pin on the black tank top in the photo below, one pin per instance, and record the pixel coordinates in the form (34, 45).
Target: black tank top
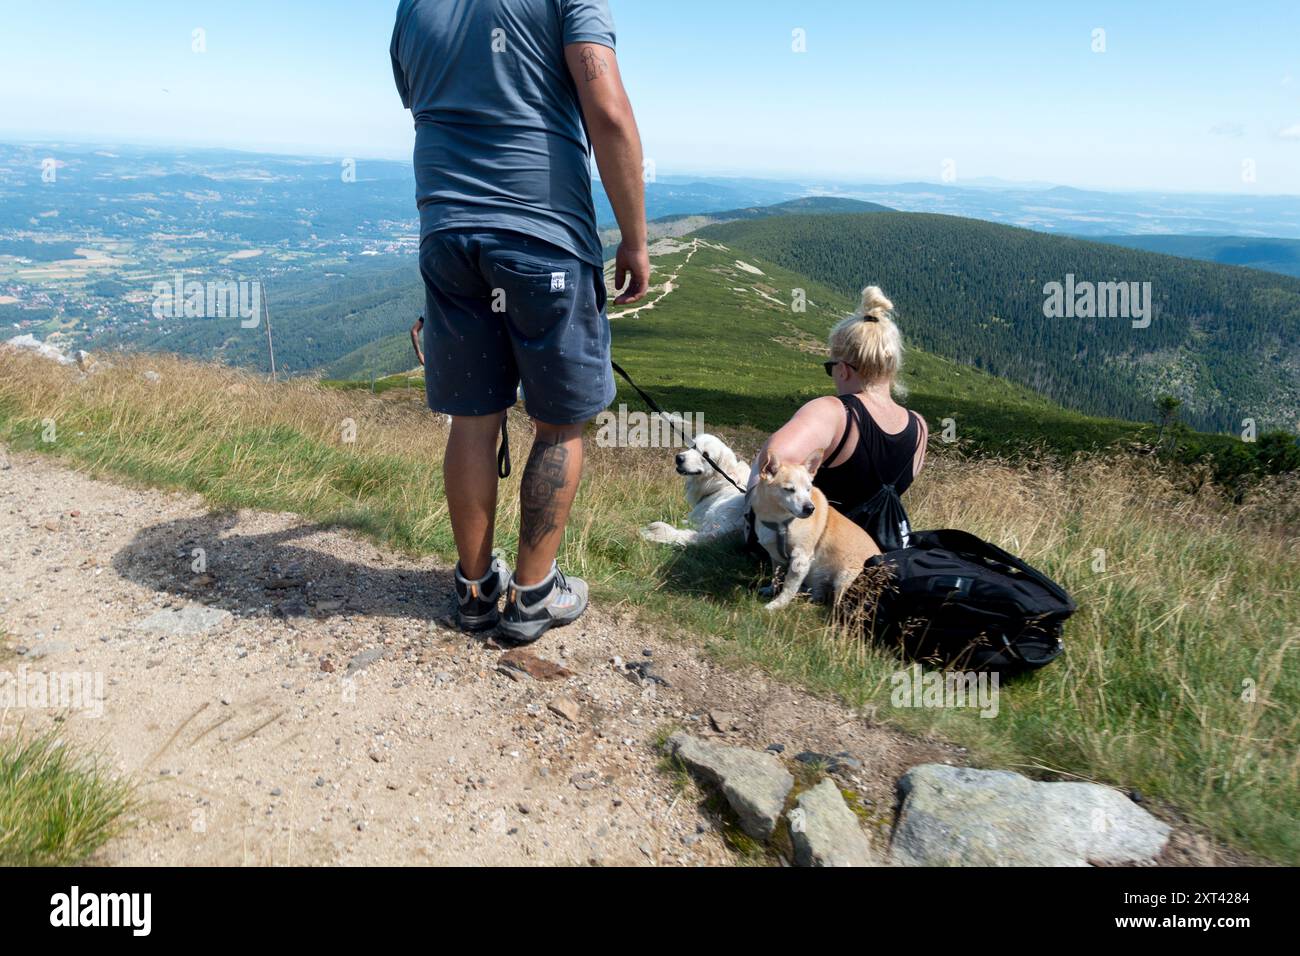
(878, 460)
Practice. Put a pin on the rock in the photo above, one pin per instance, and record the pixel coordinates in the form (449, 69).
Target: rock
(825, 832)
(566, 708)
(754, 783)
(191, 620)
(838, 763)
(645, 672)
(514, 675)
(536, 667)
(956, 816)
(723, 722)
(30, 343)
(47, 649)
(364, 659)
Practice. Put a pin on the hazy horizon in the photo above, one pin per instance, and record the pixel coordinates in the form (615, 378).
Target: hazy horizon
(1103, 97)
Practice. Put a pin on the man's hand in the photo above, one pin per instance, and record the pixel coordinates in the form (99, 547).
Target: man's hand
(632, 265)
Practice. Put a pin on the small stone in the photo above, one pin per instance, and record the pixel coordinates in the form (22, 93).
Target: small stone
(535, 667)
(566, 708)
(723, 722)
(276, 791)
(363, 660)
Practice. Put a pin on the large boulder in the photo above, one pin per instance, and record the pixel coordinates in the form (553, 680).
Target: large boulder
(754, 783)
(956, 816)
(825, 832)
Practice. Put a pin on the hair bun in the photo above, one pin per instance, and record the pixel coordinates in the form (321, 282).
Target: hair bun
(875, 305)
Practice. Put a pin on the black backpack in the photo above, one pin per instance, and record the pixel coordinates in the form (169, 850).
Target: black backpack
(884, 518)
(955, 600)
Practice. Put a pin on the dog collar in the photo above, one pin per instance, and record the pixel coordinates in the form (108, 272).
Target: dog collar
(782, 529)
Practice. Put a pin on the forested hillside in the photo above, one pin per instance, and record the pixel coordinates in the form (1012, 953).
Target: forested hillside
(317, 317)
(1224, 340)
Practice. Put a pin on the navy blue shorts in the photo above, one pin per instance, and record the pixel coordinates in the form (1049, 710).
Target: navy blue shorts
(505, 308)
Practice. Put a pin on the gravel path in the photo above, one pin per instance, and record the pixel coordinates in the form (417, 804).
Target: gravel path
(321, 711)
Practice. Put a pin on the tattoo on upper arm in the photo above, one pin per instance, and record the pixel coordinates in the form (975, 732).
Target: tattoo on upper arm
(594, 64)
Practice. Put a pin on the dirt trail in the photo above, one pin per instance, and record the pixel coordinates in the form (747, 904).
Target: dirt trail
(254, 745)
(669, 285)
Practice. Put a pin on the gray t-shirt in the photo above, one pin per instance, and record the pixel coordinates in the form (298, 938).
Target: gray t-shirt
(499, 136)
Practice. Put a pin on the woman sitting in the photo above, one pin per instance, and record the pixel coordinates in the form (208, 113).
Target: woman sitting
(872, 440)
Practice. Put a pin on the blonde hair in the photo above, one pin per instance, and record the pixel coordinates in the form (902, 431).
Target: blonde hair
(869, 340)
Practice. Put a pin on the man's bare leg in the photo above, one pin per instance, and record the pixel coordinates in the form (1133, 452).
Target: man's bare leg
(469, 475)
(549, 484)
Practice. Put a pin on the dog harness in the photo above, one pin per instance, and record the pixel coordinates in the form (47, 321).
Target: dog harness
(782, 529)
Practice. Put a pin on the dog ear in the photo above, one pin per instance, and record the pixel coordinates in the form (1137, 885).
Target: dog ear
(814, 461)
(771, 465)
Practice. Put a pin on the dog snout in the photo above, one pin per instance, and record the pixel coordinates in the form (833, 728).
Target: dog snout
(681, 458)
(808, 509)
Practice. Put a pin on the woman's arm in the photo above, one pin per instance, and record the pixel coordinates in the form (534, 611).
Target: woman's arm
(815, 427)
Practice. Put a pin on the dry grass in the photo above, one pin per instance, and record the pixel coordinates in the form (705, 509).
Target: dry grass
(1180, 677)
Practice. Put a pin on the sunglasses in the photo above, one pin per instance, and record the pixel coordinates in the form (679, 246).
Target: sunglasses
(830, 366)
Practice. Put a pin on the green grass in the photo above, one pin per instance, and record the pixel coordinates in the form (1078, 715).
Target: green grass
(57, 807)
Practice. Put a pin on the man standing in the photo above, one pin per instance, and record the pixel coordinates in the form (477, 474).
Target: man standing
(507, 95)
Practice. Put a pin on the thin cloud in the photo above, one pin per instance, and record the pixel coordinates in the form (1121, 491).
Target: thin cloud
(1233, 130)
(1290, 132)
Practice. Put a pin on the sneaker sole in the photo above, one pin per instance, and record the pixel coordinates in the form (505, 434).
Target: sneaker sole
(478, 622)
(525, 632)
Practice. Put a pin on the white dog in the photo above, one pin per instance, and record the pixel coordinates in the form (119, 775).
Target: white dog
(717, 508)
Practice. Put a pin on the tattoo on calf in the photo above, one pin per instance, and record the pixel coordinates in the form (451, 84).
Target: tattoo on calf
(595, 64)
(543, 482)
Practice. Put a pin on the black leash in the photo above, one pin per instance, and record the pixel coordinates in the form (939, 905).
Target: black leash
(503, 454)
(654, 407)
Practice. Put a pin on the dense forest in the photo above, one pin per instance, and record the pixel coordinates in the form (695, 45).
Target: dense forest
(1224, 340)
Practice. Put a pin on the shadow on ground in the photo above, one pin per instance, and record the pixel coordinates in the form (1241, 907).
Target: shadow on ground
(283, 573)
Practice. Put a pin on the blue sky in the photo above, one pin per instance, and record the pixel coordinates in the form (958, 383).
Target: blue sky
(1184, 94)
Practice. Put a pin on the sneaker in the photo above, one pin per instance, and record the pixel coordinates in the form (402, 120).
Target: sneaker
(531, 612)
(477, 600)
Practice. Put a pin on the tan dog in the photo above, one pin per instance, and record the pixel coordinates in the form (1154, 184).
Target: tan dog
(816, 544)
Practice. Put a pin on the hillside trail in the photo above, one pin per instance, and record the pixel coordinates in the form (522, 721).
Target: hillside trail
(331, 716)
(670, 284)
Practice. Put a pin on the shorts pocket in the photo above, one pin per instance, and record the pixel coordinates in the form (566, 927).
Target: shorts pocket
(535, 295)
